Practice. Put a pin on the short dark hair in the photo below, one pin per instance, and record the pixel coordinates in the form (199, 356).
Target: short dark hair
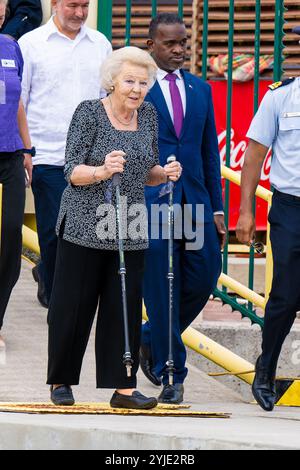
(163, 18)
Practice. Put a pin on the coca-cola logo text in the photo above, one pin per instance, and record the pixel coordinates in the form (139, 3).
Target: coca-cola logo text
(237, 154)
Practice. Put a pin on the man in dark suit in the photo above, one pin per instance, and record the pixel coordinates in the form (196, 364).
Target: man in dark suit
(187, 130)
(22, 17)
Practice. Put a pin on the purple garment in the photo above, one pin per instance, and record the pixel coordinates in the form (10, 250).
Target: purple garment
(176, 102)
(11, 69)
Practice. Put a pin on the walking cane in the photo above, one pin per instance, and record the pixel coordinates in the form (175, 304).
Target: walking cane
(127, 359)
(170, 361)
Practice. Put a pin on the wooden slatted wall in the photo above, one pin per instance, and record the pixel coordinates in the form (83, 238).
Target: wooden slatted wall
(244, 31)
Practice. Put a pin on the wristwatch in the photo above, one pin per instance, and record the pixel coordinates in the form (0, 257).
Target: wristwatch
(31, 151)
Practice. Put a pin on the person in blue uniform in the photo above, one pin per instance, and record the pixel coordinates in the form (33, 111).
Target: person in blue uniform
(22, 16)
(187, 130)
(277, 125)
(14, 137)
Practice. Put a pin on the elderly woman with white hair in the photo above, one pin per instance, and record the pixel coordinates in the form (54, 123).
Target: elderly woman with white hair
(14, 138)
(115, 135)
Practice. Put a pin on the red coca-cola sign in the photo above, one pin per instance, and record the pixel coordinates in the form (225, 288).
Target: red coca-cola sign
(242, 114)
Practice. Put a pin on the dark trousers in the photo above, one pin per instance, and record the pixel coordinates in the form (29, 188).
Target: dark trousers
(12, 177)
(196, 273)
(48, 184)
(284, 300)
(82, 276)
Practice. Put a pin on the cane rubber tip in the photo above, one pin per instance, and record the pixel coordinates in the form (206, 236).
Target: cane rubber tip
(128, 368)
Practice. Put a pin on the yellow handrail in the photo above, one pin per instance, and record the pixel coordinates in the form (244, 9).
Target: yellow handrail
(235, 177)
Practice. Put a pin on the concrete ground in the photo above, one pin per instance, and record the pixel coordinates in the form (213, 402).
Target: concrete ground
(23, 376)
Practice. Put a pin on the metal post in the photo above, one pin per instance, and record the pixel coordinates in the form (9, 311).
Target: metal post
(204, 40)
(278, 39)
(255, 107)
(154, 8)
(180, 8)
(128, 22)
(104, 18)
(228, 126)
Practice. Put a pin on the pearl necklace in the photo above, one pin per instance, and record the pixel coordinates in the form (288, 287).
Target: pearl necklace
(116, 117)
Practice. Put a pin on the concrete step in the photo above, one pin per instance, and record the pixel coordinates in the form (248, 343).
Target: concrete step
(249, 428)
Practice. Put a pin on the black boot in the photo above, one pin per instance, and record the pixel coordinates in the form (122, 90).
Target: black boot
(263, 387)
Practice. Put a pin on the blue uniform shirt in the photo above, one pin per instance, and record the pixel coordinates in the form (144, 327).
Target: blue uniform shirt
(11, 67)
(277, 124)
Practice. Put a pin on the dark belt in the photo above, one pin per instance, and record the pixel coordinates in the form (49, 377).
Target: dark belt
(287, 197)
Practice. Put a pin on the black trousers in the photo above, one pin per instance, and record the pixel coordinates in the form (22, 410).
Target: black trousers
(284, 300)
(84, 278)
(12, 177)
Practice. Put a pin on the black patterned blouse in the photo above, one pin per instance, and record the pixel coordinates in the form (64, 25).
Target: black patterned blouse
(88, 211)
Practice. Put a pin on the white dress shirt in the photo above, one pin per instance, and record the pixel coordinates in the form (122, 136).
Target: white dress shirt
(164, 85)
(59, 73)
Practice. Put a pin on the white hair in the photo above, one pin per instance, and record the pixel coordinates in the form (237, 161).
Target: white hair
(112, 65)
(3, 2)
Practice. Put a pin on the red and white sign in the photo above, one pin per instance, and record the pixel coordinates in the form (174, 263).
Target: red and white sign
(242, 114)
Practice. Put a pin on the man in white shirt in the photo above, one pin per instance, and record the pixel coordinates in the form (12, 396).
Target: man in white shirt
(62, 68)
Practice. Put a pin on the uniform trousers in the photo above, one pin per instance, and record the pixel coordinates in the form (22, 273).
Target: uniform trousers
(284, 300)
(12, 177)
(87, 278)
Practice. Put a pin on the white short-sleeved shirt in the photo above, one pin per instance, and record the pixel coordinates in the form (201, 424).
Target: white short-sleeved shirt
(59, 73)
(277, 125)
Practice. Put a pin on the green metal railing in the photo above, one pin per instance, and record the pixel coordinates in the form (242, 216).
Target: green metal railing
(248, 310)
(105, 12)
(279, 35)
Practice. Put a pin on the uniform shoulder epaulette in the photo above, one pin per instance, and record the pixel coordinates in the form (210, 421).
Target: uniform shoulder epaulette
(277, 85)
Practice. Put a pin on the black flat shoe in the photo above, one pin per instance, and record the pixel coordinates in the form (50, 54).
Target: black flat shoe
(136, 401)
(62, 396)
(146, 364)
(172, 394)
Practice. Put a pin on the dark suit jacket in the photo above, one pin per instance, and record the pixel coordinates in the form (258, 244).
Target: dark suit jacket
(23, 16)
(196, 149)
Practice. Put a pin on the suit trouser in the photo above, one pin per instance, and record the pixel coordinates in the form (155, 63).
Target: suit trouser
(82, 276)
(48, 184)
(196, 273)
(284, 300)
(12, 177)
